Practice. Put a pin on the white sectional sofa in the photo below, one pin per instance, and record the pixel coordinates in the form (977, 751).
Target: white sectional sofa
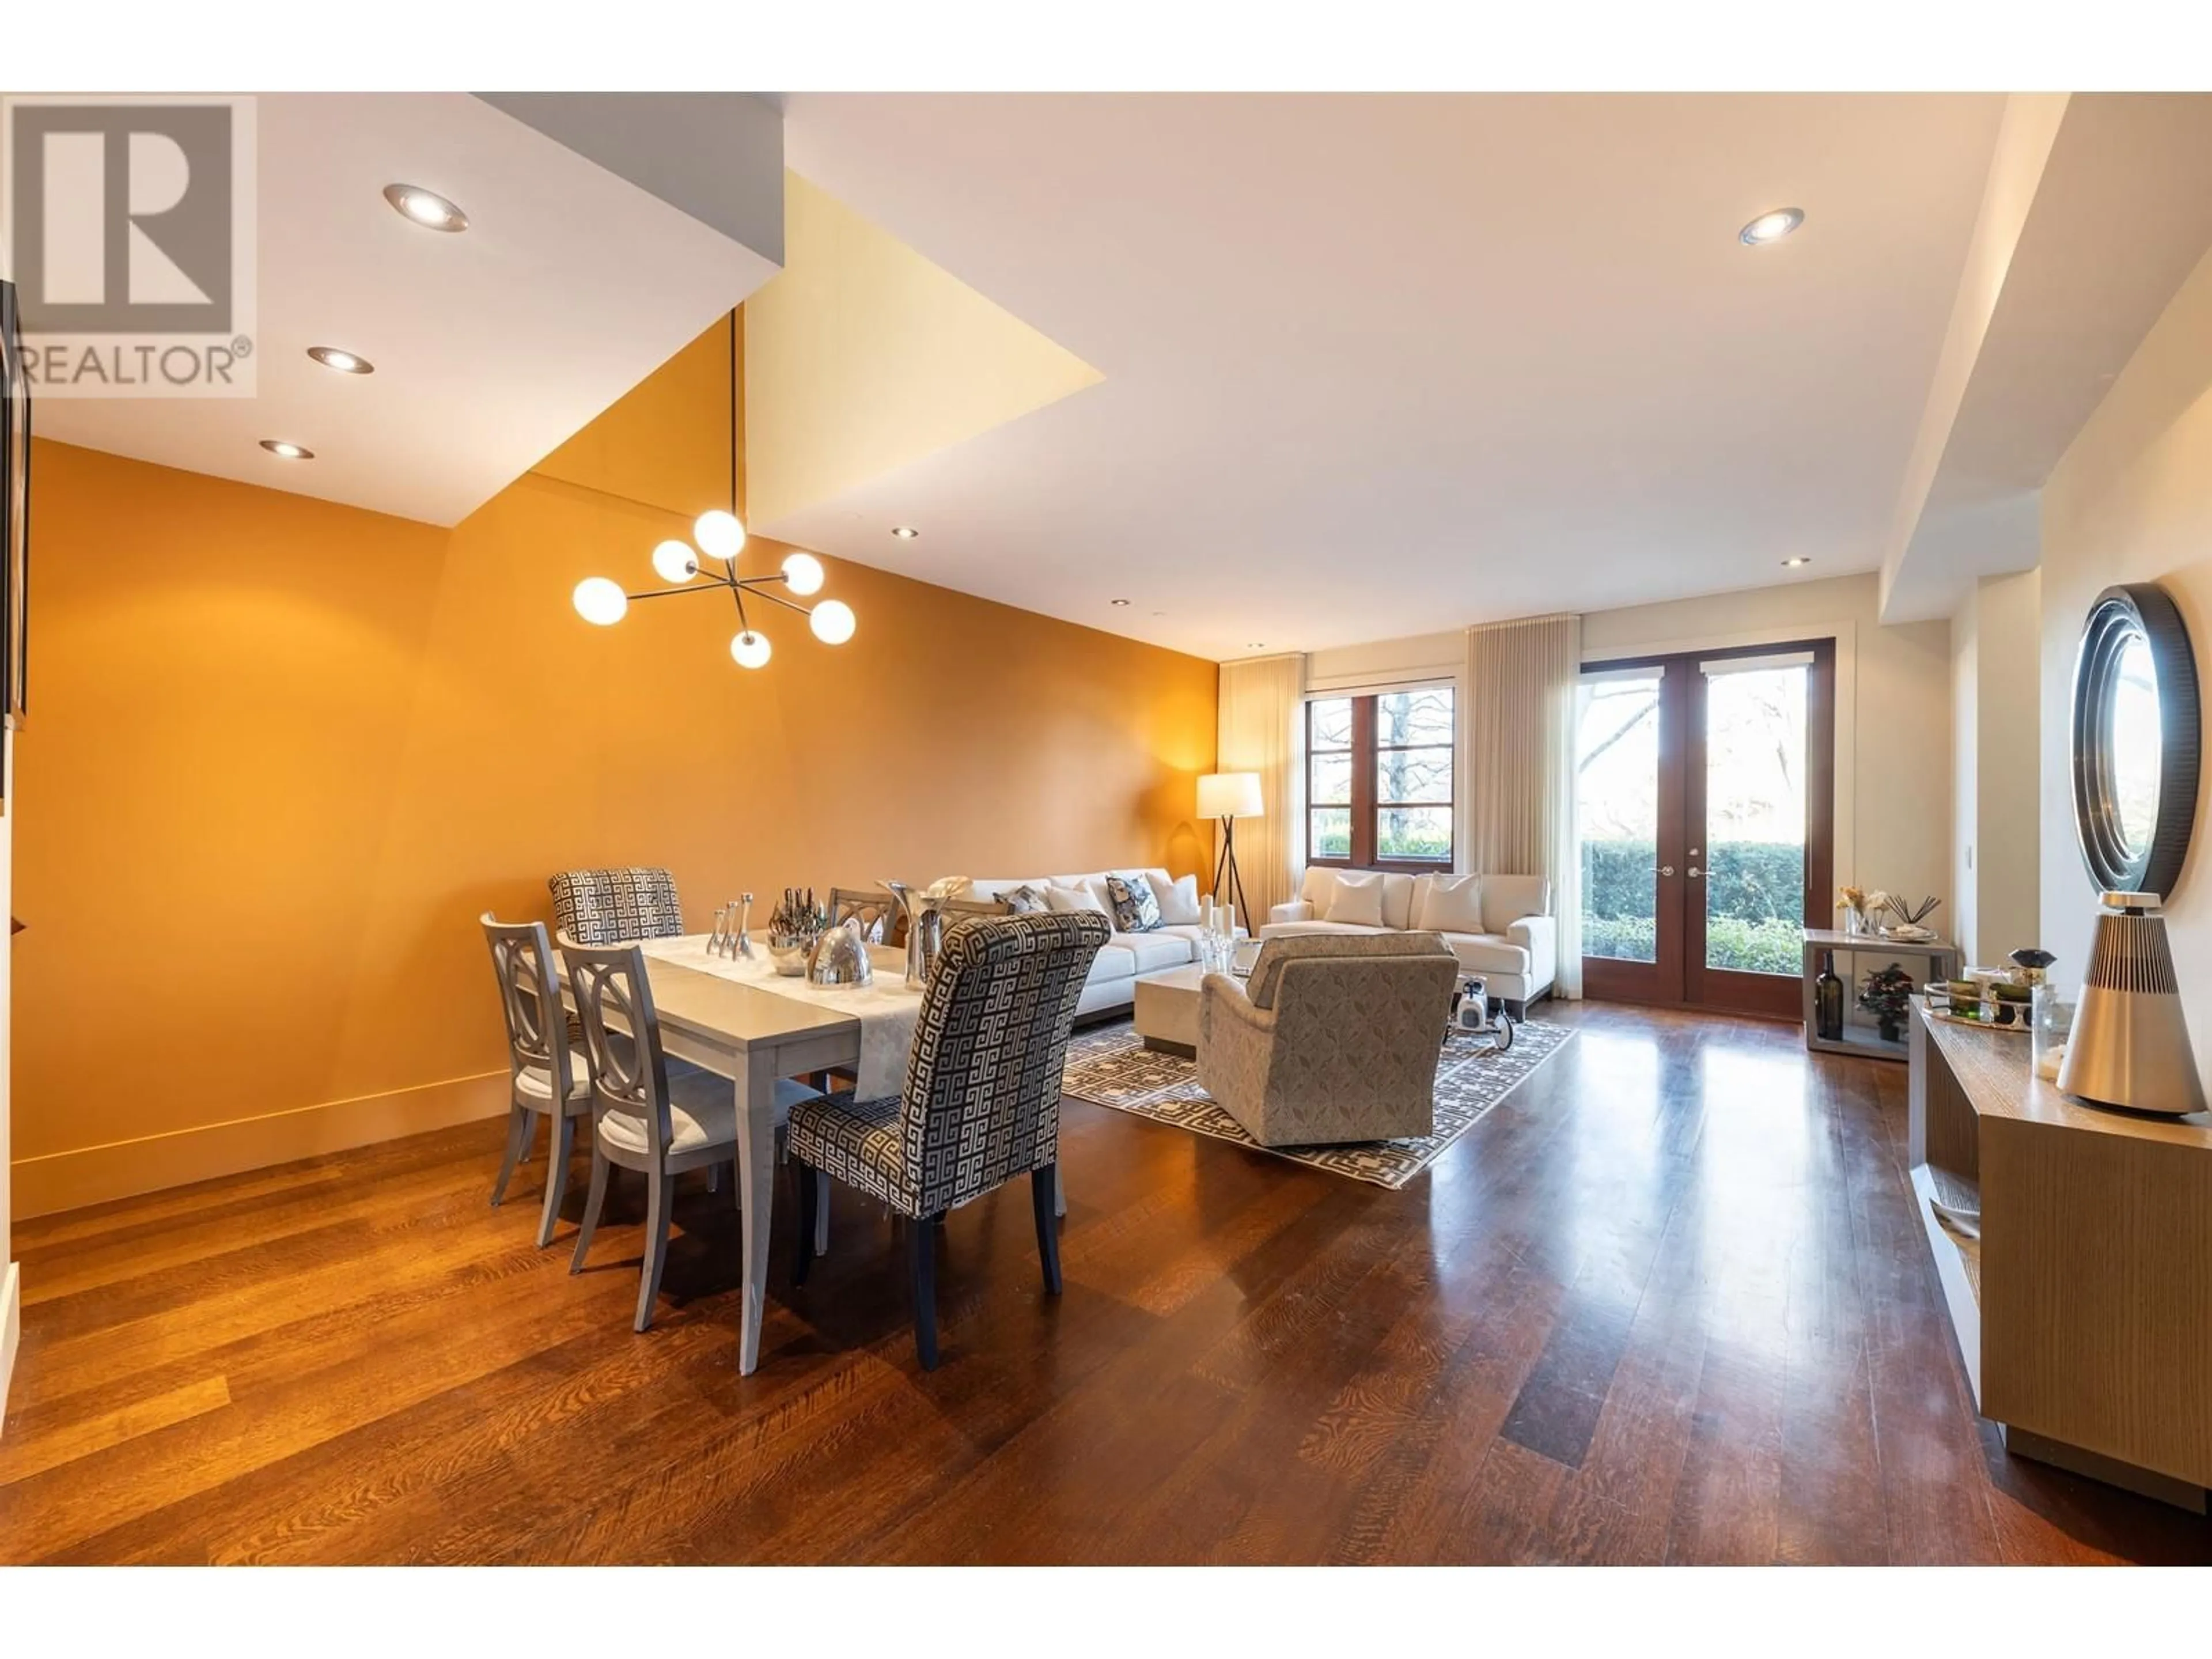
(1514, 949)
(1126, 958)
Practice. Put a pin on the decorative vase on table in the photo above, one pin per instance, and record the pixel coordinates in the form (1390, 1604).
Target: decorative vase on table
(924, 930)
(1828, 1001)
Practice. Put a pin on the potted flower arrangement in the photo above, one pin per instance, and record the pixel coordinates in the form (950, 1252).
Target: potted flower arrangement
(1886, 993)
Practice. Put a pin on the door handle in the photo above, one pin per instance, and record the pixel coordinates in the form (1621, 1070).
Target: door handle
(1693, 873)
(1666, 870)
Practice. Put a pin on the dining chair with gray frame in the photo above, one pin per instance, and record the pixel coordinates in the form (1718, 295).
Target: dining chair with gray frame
(547, 1078)
(639, 1120)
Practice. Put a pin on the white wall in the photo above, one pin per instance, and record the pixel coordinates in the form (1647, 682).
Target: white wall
(1894, 691)
(2132, 502)
(1996, 766)
(1965, 800)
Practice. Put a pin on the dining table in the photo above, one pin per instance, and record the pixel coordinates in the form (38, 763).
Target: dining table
(733, 1023)
(738, 1019)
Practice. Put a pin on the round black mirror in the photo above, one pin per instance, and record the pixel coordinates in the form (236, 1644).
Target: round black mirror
(2135, 741)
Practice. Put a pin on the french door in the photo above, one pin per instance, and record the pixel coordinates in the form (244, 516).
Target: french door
(1705, 801)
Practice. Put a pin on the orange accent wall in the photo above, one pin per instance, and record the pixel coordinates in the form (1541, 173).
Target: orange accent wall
(283, 753)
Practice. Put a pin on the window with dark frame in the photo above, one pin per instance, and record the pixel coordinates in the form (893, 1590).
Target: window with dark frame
(1379, 779)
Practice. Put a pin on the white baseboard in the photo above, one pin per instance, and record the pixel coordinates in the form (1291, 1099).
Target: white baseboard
(94, 1175)
(11, 1330)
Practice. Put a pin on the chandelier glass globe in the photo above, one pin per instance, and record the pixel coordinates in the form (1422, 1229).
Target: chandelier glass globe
(750, 649)
(832, 622)
(719, 534)
(675, 562)
(802, 573)
(601, 600)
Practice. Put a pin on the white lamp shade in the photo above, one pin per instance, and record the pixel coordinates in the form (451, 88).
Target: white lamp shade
(750, 649)
(1229, 795)
(675, 562)
(832, 622)
(719, 534)
(600, 599)
(803, 573)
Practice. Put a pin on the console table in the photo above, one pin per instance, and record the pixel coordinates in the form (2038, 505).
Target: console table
(1941, 957)
(2083, 1309)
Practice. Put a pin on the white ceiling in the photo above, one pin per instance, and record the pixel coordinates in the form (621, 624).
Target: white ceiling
(491, 347)
(1376, 366)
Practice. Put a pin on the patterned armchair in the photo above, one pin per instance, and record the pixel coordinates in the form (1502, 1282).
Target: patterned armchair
(1335, 1039)
(981, 1103)
(615, 907)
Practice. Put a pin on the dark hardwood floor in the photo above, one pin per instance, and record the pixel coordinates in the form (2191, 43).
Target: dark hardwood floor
(1669, 1302)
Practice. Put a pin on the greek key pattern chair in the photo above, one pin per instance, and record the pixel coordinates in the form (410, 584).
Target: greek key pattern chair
(549, 1080)
(639, 1122)
(615, 906)
(1335, 1039)
(981, 1103)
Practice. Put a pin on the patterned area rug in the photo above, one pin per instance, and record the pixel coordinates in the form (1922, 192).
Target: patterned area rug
(1110, 1067)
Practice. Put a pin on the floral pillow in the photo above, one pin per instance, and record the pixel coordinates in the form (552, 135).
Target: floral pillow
(1024, 900)
(1136, 906)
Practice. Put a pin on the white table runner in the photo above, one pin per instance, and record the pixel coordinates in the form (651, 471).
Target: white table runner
(887, 1010)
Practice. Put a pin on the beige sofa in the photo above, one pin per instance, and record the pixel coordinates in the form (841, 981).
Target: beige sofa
(1516, 949)
(1336, 1037)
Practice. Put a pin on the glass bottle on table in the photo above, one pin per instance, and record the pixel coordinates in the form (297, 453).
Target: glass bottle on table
(1828, 1001)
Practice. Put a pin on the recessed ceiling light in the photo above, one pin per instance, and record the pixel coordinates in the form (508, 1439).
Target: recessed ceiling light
(1792, 564)
(425, 208)
(344, 362)
(286, 451)
(1117, 601)
(905, 533)
(1770, 226)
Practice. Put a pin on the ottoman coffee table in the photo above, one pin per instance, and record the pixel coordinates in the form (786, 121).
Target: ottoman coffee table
(1166, 1013)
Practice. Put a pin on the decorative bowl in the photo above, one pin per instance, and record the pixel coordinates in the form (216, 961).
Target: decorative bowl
(789, 952)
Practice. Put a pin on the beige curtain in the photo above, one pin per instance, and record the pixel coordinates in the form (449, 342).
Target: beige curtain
(1260, 705)
(1520, 723)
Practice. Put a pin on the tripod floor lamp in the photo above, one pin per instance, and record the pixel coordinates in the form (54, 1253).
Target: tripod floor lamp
(1229, 796)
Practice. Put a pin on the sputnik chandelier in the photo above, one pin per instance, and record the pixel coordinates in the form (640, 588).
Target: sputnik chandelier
(720, 537)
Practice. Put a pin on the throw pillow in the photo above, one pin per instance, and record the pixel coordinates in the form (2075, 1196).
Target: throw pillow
(1135, 909)
(1178, 900)
(1454, 905)
(1024, 900)
(1070, 900)
(1357, 899)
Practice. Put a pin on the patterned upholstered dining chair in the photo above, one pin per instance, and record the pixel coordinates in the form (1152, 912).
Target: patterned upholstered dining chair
(981, 1103)
(615, 906)
(642, 1120)
(548, 1079)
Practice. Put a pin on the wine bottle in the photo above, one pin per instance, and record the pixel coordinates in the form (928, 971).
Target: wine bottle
(1828, 1001)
